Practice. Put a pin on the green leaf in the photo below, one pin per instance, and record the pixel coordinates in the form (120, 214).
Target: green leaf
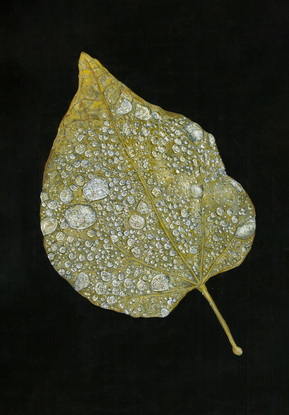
(137, 209)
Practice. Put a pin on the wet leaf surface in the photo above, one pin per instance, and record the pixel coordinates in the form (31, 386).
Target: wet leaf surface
(137, 209)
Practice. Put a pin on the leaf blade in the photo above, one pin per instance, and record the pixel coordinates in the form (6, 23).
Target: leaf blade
(174, 179)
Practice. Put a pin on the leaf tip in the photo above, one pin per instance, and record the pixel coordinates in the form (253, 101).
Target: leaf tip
(84, 56)
(86, 62)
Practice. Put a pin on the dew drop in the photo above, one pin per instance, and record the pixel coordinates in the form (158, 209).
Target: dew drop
(143, 113)
(160, 282)
(66, 195)
(136, 252)
(196, 191)
(220, 211)
(246, 230)
(111, 299)
(100, 288)
(236, 186)
(194, 131)
(136, 221)
(142, 285)
(143, 208)
(96, 189)
(124, 107)
(194, 250)
(128, 283)
(105, 276)
(156, 192)
(82, 281)
(48, 225)
(80, 216)
(164, 312)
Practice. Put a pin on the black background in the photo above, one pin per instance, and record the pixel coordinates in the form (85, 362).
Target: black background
(224, 64)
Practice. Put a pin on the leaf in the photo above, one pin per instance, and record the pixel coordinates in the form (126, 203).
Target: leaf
(137, 209)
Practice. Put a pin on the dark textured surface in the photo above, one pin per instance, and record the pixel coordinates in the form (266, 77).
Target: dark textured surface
(223, 64)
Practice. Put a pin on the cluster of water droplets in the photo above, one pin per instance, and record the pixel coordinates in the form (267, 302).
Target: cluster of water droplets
(136, 206)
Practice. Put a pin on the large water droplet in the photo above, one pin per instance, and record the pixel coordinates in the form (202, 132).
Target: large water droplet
(194, 131)
(80, 216)
(143, 208)
(96, 189)
(141, 112)
(196, 191)
(66, 195)
(124, 107)
(164, 312)
(100, 288)
(136, 221)
(48, 225)
(160, 282)
(246, 230)
(82, 281)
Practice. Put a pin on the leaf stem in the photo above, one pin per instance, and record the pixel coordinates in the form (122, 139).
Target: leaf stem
(236, 350)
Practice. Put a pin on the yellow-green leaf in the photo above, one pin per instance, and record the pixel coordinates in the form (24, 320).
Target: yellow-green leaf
(137, 209)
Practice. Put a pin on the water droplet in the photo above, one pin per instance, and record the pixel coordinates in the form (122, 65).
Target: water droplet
(160, 282)
(100, 288)
(79, 180)
(194, 131)
(43, 196)
(143, 208)
(66, 195)
(220, 211)
(184, 213)
(141, 112)
(136, 252)
(111, 299)
(60, 236)
(128, 283)
(124, 107)
(82, 281)
(211, 139)
(105, 276)
(96, 189)
(136, 221)
(48, 225)
(142, 285)
(80, 216)
(114, 238)
(196, 191)
(246, 230)
(194, 250)
(156, 115)
(80, 148)
(131, 200)
(236, 186)
(164, 312)
(156, 192)
(176, 149)
(53, 204)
